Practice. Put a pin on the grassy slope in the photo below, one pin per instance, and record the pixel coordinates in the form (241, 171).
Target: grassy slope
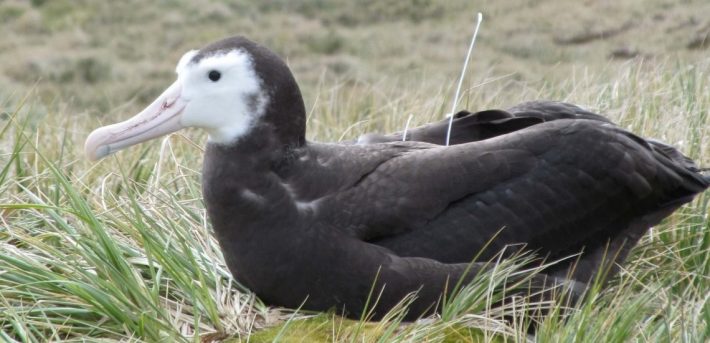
(121, 249)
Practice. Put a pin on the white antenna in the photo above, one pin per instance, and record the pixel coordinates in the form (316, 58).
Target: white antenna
(406, 128)
(463, 73)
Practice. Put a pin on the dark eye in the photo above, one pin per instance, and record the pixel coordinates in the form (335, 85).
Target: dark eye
(214, 75)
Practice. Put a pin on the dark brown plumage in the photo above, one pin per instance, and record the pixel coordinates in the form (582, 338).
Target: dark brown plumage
(311, 225)
(557, 178)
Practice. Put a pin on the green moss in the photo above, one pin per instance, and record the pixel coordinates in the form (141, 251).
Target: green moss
(460, 334)
(332, 328)
(315, 329)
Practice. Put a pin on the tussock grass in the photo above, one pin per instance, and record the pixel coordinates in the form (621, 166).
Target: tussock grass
(121, 249)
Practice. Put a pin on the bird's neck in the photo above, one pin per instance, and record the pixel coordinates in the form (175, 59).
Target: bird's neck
(242, 184)
(286, 112)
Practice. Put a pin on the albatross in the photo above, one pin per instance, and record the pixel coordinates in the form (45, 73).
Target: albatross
(319, 226)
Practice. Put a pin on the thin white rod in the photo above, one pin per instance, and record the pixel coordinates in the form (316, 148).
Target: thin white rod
(406, 128)
(463, 73)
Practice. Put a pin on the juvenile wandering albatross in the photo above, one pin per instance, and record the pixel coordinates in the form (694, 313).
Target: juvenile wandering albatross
(318, 225)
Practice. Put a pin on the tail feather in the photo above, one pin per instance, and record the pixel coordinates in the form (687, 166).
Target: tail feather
(673, 154)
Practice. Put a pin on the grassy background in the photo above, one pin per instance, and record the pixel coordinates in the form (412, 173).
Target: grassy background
(121, 250)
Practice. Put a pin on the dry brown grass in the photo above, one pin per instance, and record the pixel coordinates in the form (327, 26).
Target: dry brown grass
(100, 56)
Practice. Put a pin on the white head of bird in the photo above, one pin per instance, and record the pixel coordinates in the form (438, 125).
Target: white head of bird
(218, 92)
